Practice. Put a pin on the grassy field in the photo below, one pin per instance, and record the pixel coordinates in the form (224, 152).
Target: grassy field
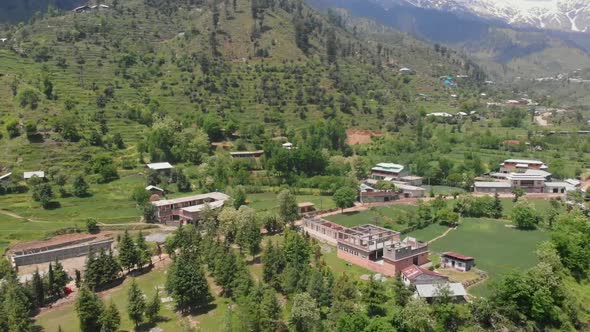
(497, 248)
(268, 201)
(65, 316)
(428, 233)
(443, 190)
(382, 216)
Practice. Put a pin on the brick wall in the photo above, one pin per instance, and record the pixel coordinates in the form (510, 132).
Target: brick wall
(385, 269)
(321, 237)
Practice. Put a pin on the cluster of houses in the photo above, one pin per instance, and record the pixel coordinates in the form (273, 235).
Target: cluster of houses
(406, 186)
(529, 175)
(26, 176)
(384, 251)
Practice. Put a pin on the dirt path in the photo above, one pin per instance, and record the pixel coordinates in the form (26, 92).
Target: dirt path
(14, 215)
(442, 235)
(541, 121)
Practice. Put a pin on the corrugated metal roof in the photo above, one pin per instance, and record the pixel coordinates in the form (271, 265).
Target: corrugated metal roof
(159, 166)
(435, 290)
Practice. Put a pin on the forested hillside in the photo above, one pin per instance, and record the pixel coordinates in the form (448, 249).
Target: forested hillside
(98, 80)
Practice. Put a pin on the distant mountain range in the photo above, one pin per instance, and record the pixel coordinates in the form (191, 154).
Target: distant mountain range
(563, 15)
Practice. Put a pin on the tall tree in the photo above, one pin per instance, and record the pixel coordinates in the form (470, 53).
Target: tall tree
(288, 209)
(89, 309)
(239, 196)
(38, 289)
(17, 307)
(270, 312)
(144, 255)
(110, 318)
(305, 314)
(80, 186)
(344, 197)
(128, 254)
(136, 304)
(187, 284)
(152, 311)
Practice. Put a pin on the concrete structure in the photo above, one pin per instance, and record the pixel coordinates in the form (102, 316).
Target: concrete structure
(369, 246)
(247, 154)
(187, 209)
(60, 251)
(388, 172)
(492, 187)
(412, 180)
(34, 174)
(431, 291)
(530, 180)
(368, 194)
(457, 261)
(155, 190)
(416, 275)
(521, 165)
(409, 191)
(559, 187)
(306, 207)
(164, 167)
(288, 146)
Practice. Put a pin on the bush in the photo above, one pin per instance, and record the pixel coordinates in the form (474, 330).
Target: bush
(92, 226)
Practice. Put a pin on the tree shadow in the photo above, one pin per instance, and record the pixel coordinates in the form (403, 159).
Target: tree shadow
(351, 213)
(53, 205)
(35, 138)
(200, 310)
(140, 271)
(147, 326)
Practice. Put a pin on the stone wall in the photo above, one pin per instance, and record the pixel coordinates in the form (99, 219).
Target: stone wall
(61, 253)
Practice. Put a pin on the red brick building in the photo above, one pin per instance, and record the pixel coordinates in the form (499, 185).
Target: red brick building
(185, 210)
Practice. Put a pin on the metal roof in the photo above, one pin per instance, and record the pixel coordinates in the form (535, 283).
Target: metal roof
(214, 195)
(200, 207)
(435, 290)
(388, 167)
(498, 184)
(159, 166)
(39, 174)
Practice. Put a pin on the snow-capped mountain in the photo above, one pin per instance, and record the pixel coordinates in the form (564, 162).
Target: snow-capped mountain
(565, 15)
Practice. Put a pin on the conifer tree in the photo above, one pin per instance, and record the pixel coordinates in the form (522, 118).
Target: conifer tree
(374, 296)
(225, 271)
(270, 312)
(51, 282)
(128, 254)
(152, 310)
(110, 318)
(61, 278)
(273, 264)
(38, 289)
(136, 304)
(89, 309)
(497, 207)
(187, 284)
(143, 252)
(17, 307)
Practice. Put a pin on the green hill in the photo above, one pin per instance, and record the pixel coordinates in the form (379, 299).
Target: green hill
(82, 78)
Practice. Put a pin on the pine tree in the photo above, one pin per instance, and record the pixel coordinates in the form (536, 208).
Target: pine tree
(61, 278)
(225, 271)
(78, 278)
(187, 283)
(152, 311)
(270, 312)
(110, 319)
(143, 252)
(38, 289)
(497, 207)
(273, 264)
(80, 186)
(249, 236)
(17, 308)
(374, 296)
(288, 209)
(243, 283)
(128, 254)
(51, 282)
(89, 309)
(401, 293)
(136, 305)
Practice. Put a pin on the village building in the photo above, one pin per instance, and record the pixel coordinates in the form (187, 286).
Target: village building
(288, 146)
(407, 71)
(160, 167)
(247, 154)
(185, 210)
(368, 194)
(409, 191)
(521, 165)
(369, 246)
(457, 261)
(412, 180)
(306, 207)
(5, 178)
(388, 171)
(155, 190)
(430, 292)
(440, 114)
(417, 275)
(34, 174)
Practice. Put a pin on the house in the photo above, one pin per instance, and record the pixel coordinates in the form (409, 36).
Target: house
(5, 178)
(388, 171)
(492, 187)
(306, 207)
(160, 167)
(368, 194)
(247, 154)
(185, 210)
(521, 165)
(409, 191)
(412, 180)
(407, 71)
(417, 275)
(34, 174)
(155, 190)
(429, 292)
(457, 261)
(440, 115)
(369, 246)
(288, 145)
(559, 187)
(574, 182)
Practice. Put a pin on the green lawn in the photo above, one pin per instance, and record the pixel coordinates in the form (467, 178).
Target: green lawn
(208, 321)
(382, 216)
(443, 190)
(497, 248)
(541, 205)
(268, 201)
(428, 233)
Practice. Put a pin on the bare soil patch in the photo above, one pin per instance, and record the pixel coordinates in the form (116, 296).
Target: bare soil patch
(357, 136)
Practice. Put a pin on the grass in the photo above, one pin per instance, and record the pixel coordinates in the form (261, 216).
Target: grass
(443, 190)
(382, 216)
(428, 233)
(497, 248)
(268, 201)
(340, 266)
(65, 316)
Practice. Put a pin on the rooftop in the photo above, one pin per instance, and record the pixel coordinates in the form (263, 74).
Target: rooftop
(239, 153)
(498, 184)
(524, 161)
(404, 186)
(436, 290)
(39, 174)
(213, 195)
(159, 166)
(200, 207)
(150, 187)
(388, 167)
(457, 256)
(414, 271)
(305, 204)
(5, 176)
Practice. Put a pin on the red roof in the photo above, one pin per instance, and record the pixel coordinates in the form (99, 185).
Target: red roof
(458, 256)
(413, 271)
(512, 142)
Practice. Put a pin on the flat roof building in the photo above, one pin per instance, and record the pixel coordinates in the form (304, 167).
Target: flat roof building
(388, 170)
(34, 174)
(187, 209)
(163, 166)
